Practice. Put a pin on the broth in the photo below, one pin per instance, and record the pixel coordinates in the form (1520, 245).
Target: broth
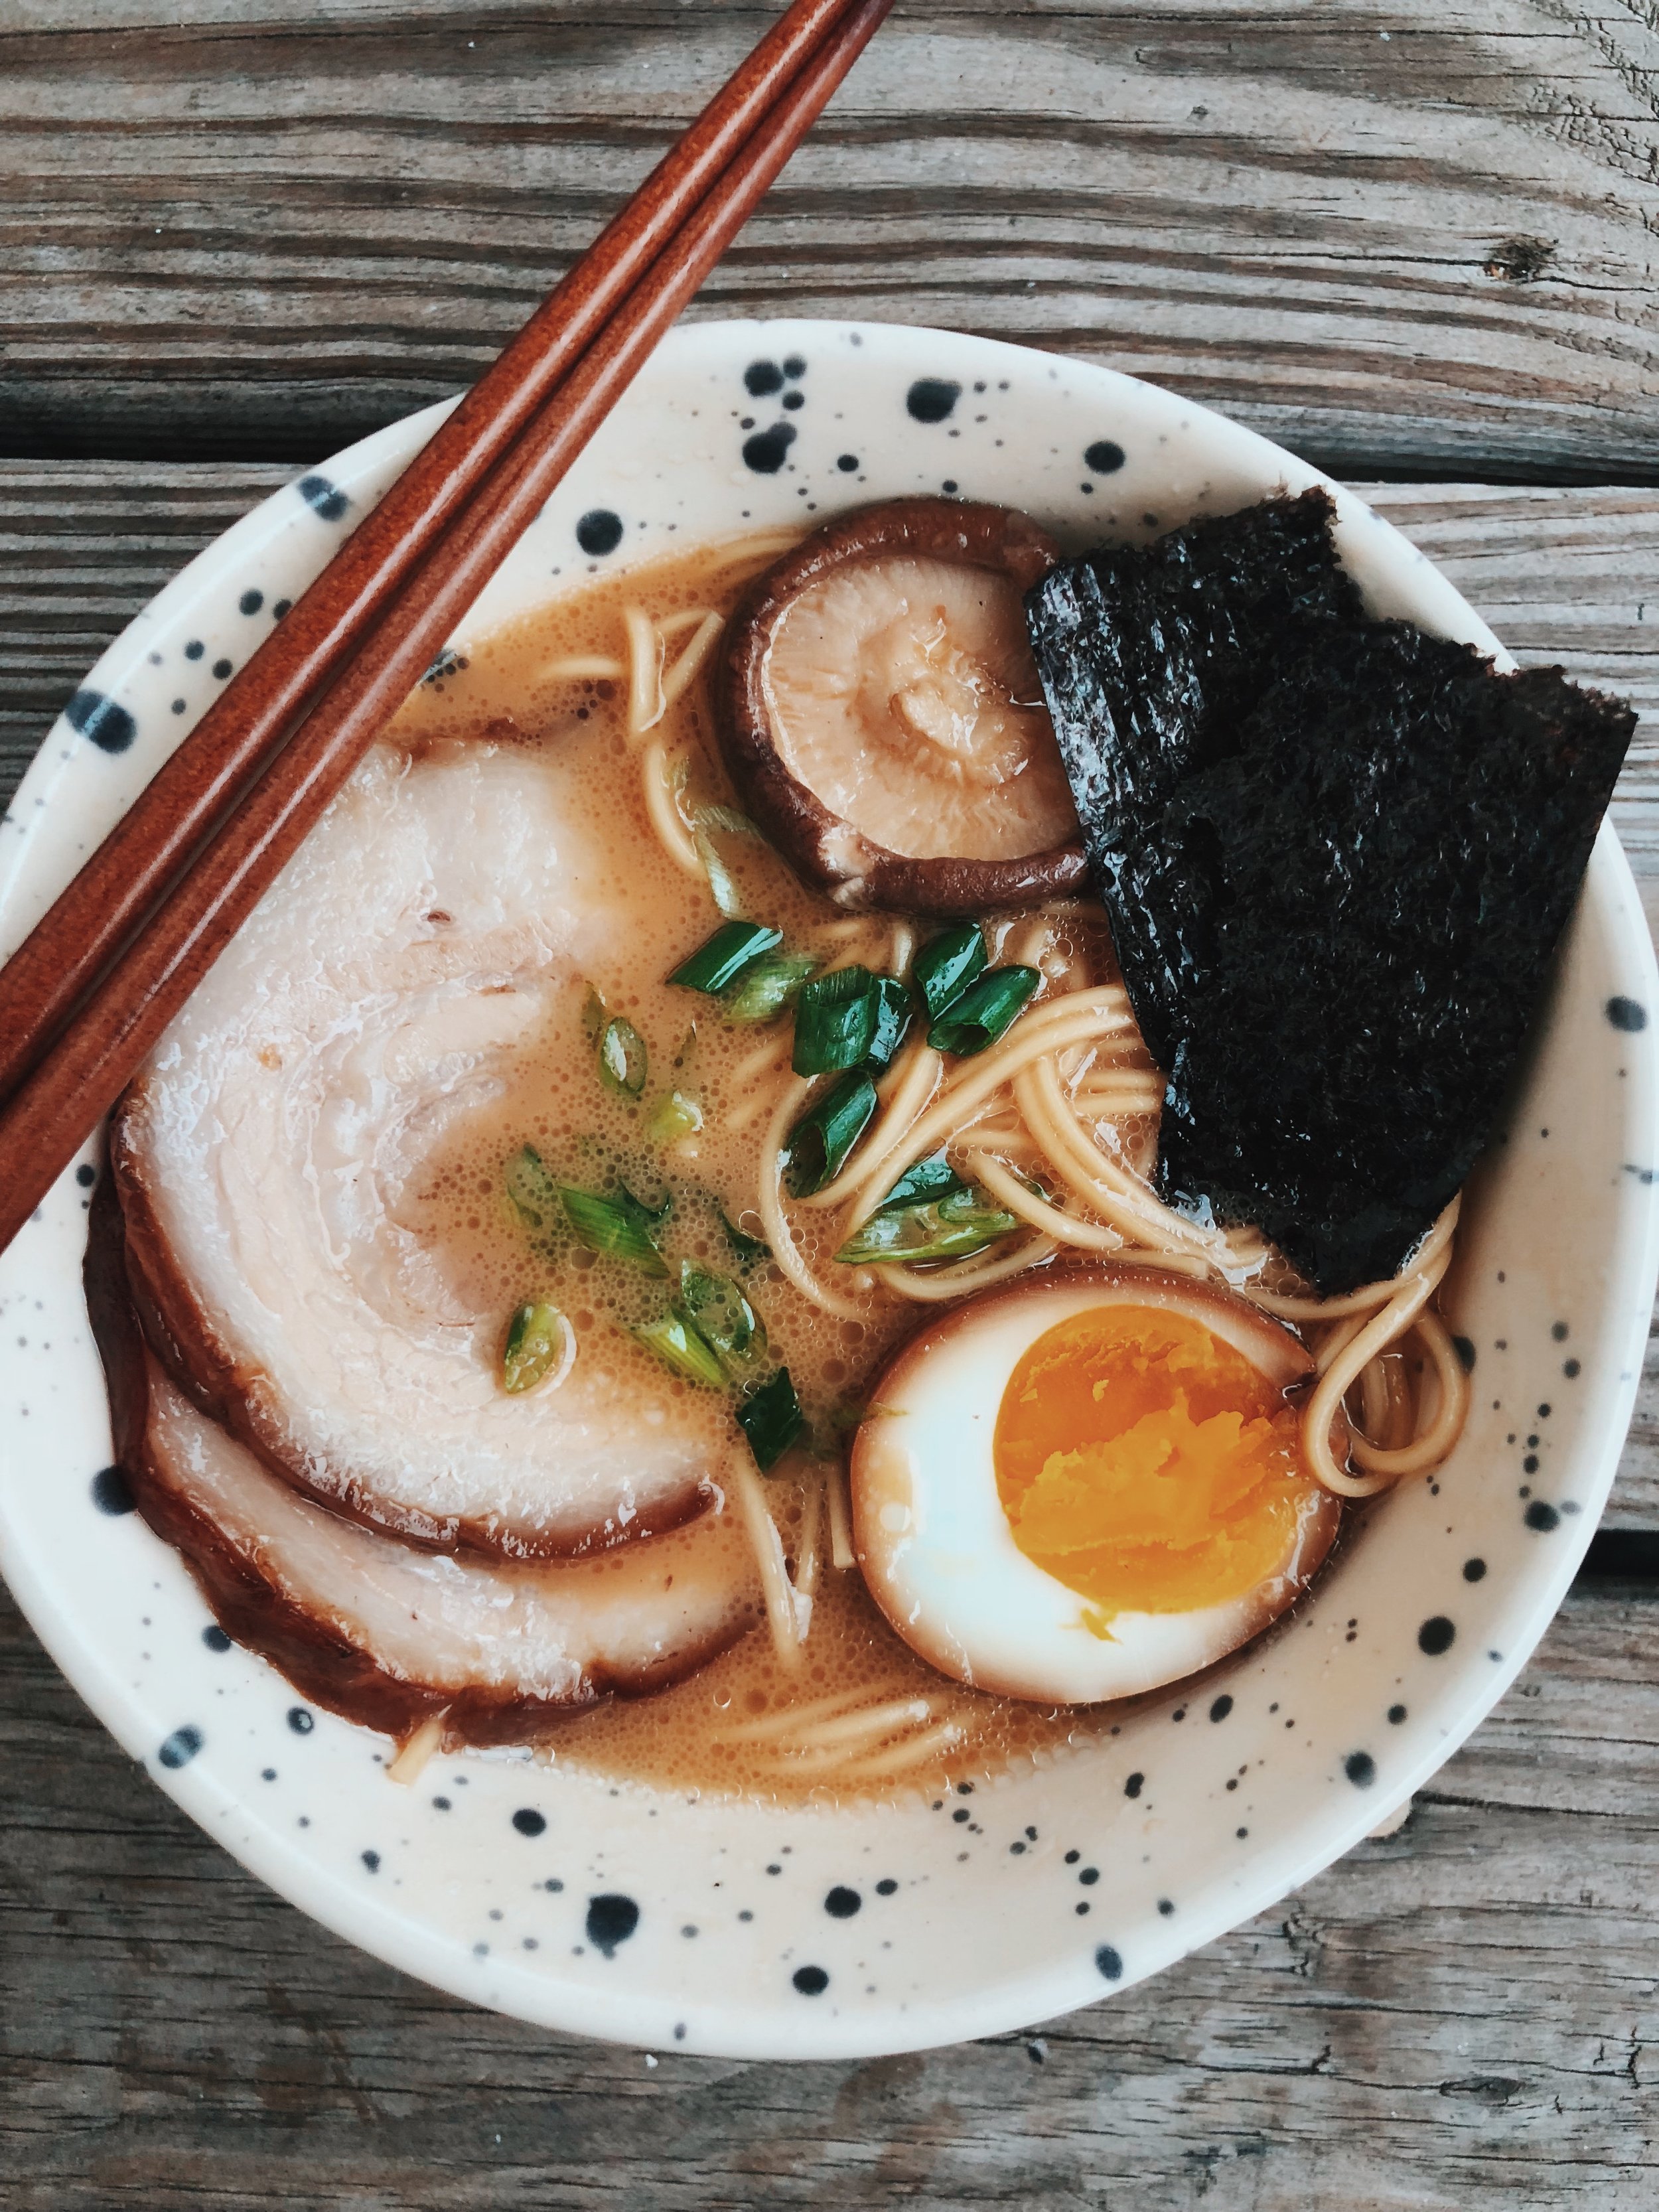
(861, 1714)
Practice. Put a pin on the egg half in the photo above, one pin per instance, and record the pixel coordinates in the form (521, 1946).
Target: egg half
(1089, 1485)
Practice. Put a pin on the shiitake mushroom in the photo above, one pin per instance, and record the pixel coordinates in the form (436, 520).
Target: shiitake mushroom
(881, 713)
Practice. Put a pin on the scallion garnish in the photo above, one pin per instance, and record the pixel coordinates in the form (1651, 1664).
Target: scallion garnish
(983, 1011)
(771, 1418)
(720, 1314)
(949, 1227)
(531, 1190)
(746, 1247)
(821, 1140)
(931, 1178)
(622, 1063)
(768, 987)
(713, 967)
(836, 1021)
(895, 1011)
(673, 1116)
(947, 964)
(619, 1227)
(535, 1338)
(681, 1347)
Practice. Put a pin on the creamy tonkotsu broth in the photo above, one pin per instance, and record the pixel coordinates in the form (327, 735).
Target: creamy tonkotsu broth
(858, 1713)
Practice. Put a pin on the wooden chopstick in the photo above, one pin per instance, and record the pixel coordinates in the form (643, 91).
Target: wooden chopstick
(74, 944)
(81, 1074)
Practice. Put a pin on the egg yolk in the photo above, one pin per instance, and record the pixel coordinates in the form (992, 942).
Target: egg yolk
(1144, 1463)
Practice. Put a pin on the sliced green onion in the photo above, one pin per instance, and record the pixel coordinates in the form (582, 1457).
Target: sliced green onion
(622, 1063)
(713, 967)
(679, 1345)
(821, 1140)
(895, 1011)
(535, 1338)
(722, 883)
(983, 1012)
(619, 1227)
(946, 965)
(836, 1021)
(768, 987)
(593, 1014)
(746, 1247)
(771, 1418)
(929, 1179)
(948, 1227)
(674, 1116)
(720, 1314)
(531, 1190)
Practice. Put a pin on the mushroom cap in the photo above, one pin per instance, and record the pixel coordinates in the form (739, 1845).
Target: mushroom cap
(881, 715)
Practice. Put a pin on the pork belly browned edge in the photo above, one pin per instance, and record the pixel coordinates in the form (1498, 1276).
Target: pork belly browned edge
(323, 1665)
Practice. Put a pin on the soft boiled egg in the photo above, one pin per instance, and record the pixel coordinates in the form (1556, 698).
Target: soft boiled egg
(1089, 1485)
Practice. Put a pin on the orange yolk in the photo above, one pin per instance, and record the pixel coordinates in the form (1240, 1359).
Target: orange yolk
(1146, 1464)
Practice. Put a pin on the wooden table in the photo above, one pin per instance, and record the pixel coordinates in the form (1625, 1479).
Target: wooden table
(1414, 241)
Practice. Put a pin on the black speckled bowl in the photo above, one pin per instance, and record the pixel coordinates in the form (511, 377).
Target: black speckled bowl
(722, 1926)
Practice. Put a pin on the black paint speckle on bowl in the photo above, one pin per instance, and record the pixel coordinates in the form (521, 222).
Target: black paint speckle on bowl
(599, 532)
(1131, 1787)
(764, 452)
(610, 1921)
(324, 498)
(1104, 456)
(112, 1492)
(762, 378)
(843, 1903)
(371, 1861)
(847, 462)
(886, 1887)
(251, 602)
(1397, 1714)
(1474, 1571)
(1436, 1635)
(1542, 1518)
(1627, 1014)
(301, 1720)
(85, 1176)
(811, 1981)
(529, 1822)
(1221, 1708)
(181, 1747)
(214, 1637)
(100, 719)
(1360, 1768)
(1109, 1963)
(931, 399)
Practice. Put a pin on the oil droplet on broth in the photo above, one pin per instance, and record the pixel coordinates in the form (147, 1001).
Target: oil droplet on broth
(707, 1733)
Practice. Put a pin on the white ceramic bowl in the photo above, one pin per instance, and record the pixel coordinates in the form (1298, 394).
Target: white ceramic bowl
(982, 1912)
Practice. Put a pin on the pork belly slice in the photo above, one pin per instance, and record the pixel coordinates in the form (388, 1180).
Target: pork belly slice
(419, 938)
(387, 1633)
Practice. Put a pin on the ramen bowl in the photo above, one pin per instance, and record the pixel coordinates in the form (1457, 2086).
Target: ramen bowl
(715, 1924)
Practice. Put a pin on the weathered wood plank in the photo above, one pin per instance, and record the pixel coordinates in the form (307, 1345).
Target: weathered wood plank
(1561, 575)
(1416, 232)
(1460, 2017)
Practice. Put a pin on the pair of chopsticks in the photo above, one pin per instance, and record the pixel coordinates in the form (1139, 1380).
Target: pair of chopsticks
(90, 991)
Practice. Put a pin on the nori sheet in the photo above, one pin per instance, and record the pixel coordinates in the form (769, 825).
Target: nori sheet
(1150, 654)
(1337, 856)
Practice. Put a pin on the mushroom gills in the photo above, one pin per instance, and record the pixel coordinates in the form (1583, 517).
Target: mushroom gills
(903, 693)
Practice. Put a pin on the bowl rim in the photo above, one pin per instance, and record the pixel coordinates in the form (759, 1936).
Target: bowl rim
(744, 2029)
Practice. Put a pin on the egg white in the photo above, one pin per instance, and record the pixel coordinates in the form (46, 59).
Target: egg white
(935, 1545)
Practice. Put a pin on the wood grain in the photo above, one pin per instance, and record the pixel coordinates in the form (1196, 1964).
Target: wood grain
(1398, 234)
(1462, 2016)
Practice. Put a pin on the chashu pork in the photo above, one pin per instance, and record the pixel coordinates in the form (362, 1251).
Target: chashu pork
(416, 941)
(379, 1630)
